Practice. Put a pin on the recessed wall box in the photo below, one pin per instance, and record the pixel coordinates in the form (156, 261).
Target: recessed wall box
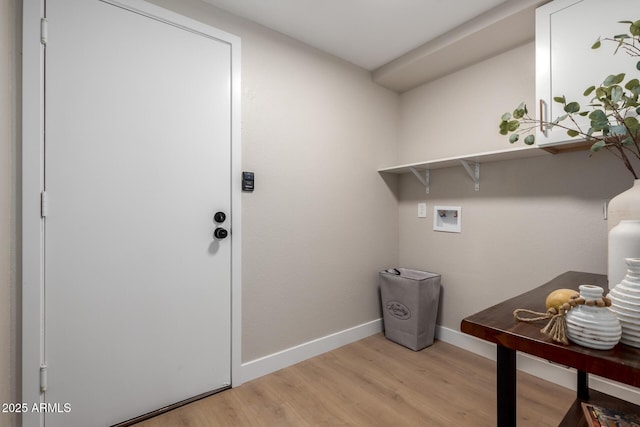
(447, 218)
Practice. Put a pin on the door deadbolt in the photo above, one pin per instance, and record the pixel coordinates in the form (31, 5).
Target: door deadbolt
(219, 217)
(220, 233)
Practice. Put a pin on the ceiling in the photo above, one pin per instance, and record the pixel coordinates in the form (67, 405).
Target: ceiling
(388, 36)
(368, 33)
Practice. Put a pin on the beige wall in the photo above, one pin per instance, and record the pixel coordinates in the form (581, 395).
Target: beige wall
(532, 218)
(8, 240)
(459, 113)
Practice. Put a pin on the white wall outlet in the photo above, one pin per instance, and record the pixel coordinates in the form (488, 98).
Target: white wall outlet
(422, 210)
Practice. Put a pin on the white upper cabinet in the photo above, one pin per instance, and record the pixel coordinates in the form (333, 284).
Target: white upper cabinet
(565, 63)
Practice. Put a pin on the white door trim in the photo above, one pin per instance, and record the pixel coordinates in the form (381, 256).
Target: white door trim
(33, 184)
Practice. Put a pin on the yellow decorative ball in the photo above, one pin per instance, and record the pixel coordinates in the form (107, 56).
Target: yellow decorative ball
(559, 297)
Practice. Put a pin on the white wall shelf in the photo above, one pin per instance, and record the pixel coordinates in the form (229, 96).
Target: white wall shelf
(471, 163)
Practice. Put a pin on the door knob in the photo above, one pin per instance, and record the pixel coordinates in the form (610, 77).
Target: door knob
(220, 233)
(219, 217)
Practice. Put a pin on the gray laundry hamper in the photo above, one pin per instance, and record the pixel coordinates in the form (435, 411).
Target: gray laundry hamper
(410, 306)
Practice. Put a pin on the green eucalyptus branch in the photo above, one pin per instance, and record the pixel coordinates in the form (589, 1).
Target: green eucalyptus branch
(613, 110)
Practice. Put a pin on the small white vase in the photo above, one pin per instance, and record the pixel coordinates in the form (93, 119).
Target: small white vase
(592, 326)
(625, 205)
(624, 242)
(625, 302)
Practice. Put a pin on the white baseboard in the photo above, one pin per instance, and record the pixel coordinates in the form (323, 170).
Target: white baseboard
(541, 368)
(557, 374)
(276, 361)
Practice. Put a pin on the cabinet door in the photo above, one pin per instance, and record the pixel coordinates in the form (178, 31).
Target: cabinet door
(565, 63)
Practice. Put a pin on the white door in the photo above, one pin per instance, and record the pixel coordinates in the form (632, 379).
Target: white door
(137, 164)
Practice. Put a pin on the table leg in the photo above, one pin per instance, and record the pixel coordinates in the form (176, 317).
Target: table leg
(583, 385)
(506, 370)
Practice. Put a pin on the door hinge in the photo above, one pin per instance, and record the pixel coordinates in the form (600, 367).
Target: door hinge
(44, 204)
(44, 31)
(43, 378)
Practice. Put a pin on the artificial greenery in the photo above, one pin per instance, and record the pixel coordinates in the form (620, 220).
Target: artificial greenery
(612, 108)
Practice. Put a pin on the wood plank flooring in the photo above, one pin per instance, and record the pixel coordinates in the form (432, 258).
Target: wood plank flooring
(375, 382)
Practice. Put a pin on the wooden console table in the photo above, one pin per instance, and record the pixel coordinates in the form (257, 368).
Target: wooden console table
(497, 325)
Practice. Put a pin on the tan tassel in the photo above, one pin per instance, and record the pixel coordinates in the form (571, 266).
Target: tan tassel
(556, 328)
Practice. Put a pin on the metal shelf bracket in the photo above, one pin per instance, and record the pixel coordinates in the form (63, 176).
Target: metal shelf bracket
(423, 179)
(472, 168)
(474, 174)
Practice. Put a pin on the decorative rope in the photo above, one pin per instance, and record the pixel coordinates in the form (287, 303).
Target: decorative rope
(557, 326)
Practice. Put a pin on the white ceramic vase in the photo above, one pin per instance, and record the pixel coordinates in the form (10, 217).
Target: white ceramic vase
(625, 205)
(625, 302)
(624, 242)
(592, 326)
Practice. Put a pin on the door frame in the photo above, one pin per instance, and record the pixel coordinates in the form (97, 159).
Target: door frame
(33, 321)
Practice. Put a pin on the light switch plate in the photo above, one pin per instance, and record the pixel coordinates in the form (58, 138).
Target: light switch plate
(422, 210)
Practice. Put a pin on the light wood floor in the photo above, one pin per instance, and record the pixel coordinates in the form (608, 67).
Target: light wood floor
(375, 382)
